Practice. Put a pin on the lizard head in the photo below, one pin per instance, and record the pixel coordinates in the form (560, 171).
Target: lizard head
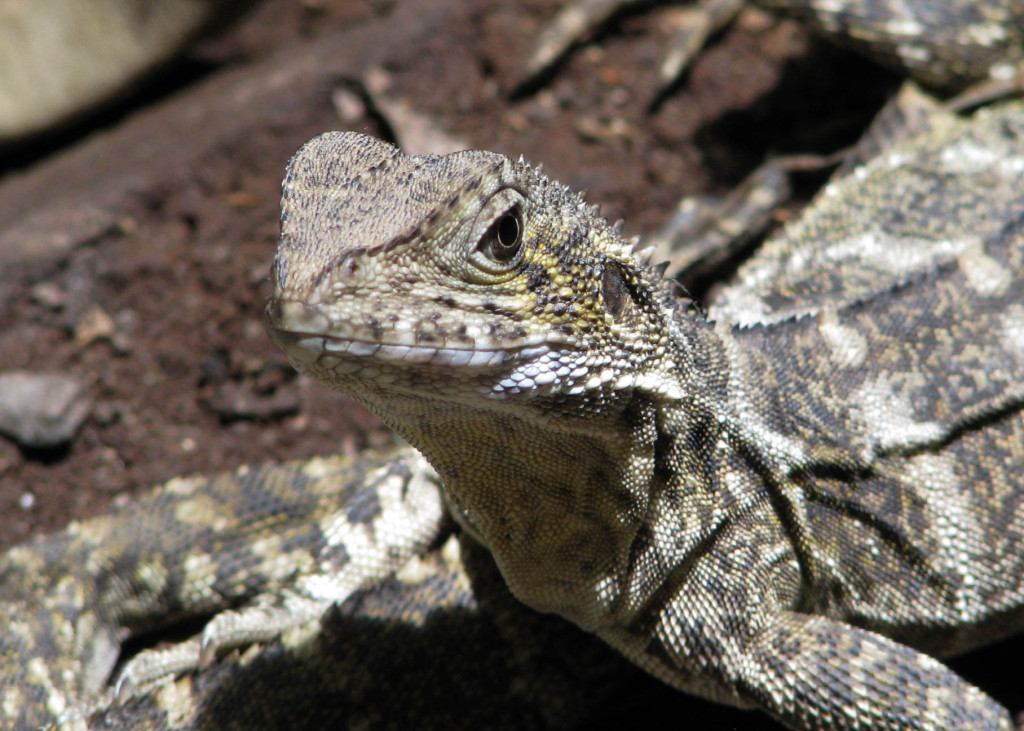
(466, 276)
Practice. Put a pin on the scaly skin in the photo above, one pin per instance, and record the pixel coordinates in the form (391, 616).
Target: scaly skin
(842, 468)
(784, 503)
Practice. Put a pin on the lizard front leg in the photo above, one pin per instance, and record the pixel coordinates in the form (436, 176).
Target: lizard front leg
(392, 510)
(811, 672)
(278, 543)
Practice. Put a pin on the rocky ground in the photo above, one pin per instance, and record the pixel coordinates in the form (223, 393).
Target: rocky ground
(134, 250)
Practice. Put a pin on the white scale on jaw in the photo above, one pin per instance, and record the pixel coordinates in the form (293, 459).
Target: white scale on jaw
(567, 372)
(545, 370)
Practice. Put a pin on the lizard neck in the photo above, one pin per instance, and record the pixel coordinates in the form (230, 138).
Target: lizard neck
(558, 507)
(565, 497)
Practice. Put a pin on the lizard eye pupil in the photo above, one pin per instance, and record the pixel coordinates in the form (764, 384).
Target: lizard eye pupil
(508, 231)
(505, 238)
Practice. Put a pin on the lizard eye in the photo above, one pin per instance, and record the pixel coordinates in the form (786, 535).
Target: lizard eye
(504, 239)
(496, 242)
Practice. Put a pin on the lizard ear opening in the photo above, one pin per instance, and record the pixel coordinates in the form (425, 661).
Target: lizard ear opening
(617, 294)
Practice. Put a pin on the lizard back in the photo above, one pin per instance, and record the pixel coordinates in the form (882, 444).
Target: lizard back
(893, 329)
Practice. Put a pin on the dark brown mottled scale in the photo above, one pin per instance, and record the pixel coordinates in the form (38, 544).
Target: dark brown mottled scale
(887, 331)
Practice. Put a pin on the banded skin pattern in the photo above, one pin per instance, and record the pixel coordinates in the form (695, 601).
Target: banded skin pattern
(794, 501)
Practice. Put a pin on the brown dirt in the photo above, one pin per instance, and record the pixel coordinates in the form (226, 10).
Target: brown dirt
(182, 270)
(178, 253)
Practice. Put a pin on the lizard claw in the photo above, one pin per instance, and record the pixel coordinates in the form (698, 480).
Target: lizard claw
(207, 651)
(123, 689)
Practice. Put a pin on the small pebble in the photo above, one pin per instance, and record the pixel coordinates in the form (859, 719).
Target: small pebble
(42, 410)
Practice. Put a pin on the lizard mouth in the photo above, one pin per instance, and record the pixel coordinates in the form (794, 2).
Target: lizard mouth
(309, 338)
(312, 347)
